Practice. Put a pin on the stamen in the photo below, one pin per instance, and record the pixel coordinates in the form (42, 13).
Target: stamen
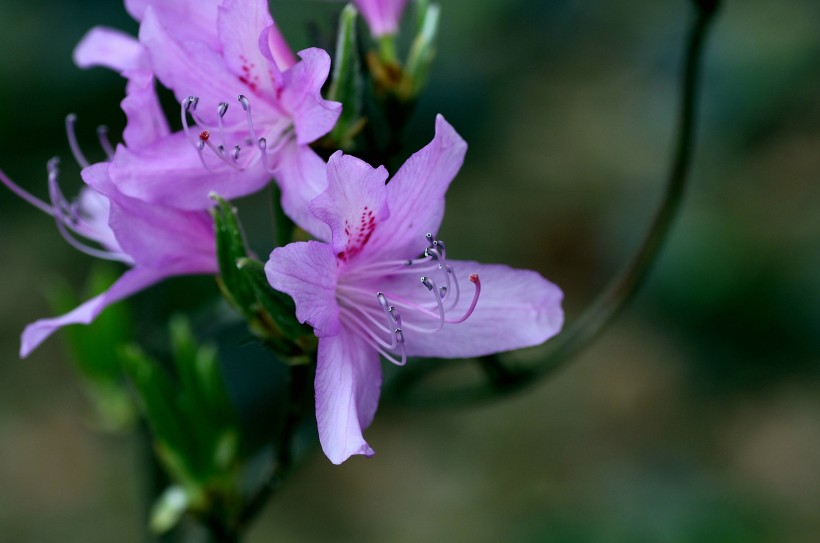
(431, 286)
(72, 141)
(477, 282)
(25, 195)
(59, 202)
(221, 109)
(246, 105)
(105, 143)
(188, 105)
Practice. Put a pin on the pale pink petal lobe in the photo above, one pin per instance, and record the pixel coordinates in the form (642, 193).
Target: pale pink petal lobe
(132, 281)
(301, 97)
(516, 309)
(348, 384)
(307, 272)
(109, 48)
(354, 203)
(416, 193)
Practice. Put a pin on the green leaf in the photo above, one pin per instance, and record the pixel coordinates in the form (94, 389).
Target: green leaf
(423, 49)
(175, 443)
(347, 85)
(231, 246)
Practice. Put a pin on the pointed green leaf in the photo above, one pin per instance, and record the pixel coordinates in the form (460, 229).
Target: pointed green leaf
(347, 85)
(231, 246)
(423, 49)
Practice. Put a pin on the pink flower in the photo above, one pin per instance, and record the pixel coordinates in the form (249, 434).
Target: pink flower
(156, 241)
(382, 16)
(249, 108)
(367, 291)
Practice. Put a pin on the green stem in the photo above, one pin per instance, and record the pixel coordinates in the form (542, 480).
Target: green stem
(621, 288)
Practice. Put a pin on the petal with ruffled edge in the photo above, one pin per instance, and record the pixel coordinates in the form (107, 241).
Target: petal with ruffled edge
(170, 173)
(415, 195)
(353, 205)
(516, 309)
(240, 22)
(382, 16)
(301, 96)
(348, 384)
(109, 48)
(146, 122)
(132, 281)
(307, 272)
(185, 19)
(273, 46)
(301, 175)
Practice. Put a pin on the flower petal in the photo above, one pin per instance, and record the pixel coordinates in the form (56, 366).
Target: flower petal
(273, 46)
(185, 19)
(192, 68)
(516, 309)
(415, 195)
(170, 173)
(382, 16)
(240, 22)
(302, 176)
(154, 235)
(109, 48)
(307, 272)
(146, 122)
(313, 116)
(130, 282)
(354, 203)
(348, 383)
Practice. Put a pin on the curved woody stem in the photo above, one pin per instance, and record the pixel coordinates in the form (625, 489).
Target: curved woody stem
(502, 380)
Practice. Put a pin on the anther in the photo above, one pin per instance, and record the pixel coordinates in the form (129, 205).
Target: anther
(399, 336)
(191, 103)
(222, 109)
(427, 283)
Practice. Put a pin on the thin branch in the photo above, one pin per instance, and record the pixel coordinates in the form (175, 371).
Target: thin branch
(501, 380)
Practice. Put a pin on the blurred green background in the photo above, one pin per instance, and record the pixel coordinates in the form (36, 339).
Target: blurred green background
(695, 417)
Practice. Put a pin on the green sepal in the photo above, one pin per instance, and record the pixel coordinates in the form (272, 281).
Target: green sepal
(347, 84)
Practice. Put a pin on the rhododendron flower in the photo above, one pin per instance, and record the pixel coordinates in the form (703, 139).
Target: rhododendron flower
(366, 291)
(156, 241)
(248, 107)
(382, 16)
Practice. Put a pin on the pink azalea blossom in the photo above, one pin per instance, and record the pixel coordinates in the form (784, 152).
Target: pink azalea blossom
(367, 292)
(156, 241)
(249, 107)
(382, 16)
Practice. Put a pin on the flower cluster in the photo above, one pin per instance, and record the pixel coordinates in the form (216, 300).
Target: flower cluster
(375, 283)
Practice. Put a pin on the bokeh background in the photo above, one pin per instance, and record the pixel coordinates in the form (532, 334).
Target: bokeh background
(694, 417)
